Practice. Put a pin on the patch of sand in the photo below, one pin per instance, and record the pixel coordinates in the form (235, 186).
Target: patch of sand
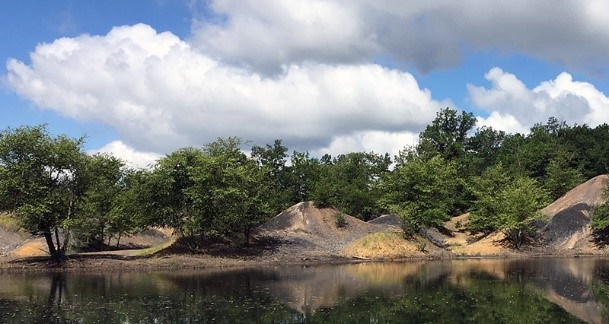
(31, 248)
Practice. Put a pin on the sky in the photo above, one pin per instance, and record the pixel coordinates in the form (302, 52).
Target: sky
(142, 78)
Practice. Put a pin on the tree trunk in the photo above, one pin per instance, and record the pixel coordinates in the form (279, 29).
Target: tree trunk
(52, 250)
(247, 231)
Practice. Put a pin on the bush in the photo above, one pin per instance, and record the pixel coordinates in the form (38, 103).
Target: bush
(600, 216)
(340, 220)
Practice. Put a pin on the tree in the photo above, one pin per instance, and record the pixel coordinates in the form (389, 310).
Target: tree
(43, 181)
(482, 149)
(105, 175)
(485, 211)
(600, 215)
(272, 161)
(209, 192)
(520, 203)
(349, 183)
(562, 174)
(421, 192)
(447, 135)
(506, 204)
(303, 174)
(232, 187)
(590, 148)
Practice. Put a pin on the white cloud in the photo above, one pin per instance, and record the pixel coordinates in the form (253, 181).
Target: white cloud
(132, 158)
(515, 108)
(373, 141)
(266, 34)
(160, 94)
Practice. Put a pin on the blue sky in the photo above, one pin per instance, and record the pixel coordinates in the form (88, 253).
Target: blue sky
(143, 78)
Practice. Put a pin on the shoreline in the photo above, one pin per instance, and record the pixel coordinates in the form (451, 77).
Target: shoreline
(176, 262)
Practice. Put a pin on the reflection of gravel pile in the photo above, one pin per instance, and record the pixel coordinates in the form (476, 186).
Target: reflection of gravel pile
(568, 224)
(311, 231)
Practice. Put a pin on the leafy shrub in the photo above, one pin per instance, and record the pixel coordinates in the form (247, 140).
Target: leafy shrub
(340, 220)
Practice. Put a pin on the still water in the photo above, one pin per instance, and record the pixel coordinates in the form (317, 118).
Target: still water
(570, 290)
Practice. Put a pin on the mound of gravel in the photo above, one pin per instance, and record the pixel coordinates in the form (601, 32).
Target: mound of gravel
(9, 240)
(390, 220)
(306, 229)
(569, 217)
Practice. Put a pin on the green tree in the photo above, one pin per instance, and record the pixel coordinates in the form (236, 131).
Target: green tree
(303, 174)
(446, 135)
(135, 207)
(43, 181)
(562, 174)
(485, 211)
(232, 187)
(105, 174)
(272, 161)
(349, 183)
(164, 193)
(421, 192)
(519, 208)
(589, 148)
(482, 149)
(506, 204)
(600, 215)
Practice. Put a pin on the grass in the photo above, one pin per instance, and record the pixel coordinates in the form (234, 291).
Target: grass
(382, 245)
(9, 222)
(154, 249)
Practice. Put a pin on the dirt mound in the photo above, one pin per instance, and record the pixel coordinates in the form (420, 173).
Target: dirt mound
(390, 219)
(569, 217)
(308, 230)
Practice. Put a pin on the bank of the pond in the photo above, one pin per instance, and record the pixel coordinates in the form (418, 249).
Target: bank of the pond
(114, 262)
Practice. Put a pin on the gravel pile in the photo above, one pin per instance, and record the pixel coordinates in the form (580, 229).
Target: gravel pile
(314, 232)
(569, 217)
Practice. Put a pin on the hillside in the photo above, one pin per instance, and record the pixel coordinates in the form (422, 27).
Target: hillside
(569, 218)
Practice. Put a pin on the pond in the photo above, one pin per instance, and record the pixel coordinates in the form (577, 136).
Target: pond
(569, 290)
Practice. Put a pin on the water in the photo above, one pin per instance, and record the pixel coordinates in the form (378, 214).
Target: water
(470, 291)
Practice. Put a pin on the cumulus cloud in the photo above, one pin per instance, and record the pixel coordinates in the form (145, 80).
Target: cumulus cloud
(160, 94)
(515, 108)
(131, 157)
(267, 34)
(374, 141)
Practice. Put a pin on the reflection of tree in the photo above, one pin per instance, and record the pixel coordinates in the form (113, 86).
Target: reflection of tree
(449, 291)
(58, 286)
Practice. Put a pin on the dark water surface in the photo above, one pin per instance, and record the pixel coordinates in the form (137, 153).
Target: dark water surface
(570, 290)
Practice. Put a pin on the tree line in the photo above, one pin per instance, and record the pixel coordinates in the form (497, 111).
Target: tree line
(57, 191)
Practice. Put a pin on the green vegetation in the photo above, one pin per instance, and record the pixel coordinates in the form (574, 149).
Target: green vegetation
(339, 219)
(600, 215)
(57, 191)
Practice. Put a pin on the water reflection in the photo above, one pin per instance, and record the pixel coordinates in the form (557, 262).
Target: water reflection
(542, 290)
